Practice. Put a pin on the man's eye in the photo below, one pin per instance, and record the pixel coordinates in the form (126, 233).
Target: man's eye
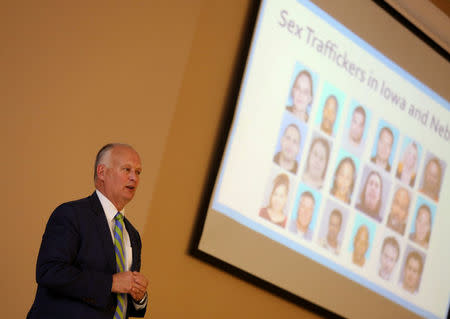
(138, 172)
(127, 169)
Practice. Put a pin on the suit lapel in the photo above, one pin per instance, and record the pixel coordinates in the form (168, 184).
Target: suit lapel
(104, 231)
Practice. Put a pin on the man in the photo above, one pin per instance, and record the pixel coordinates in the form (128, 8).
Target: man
(305, 211)
(412, 272)
(334, 228)
(357, 126)
(432, 179)
(89, 260)
(399, 211)
(290, 146)
(388, 257)
(384, 148)
(360, 245)
(329, 114)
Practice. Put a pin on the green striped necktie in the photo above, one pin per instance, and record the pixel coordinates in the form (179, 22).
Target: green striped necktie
(120, 262)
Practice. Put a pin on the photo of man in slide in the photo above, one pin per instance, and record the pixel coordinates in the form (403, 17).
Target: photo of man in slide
(412, 272)
(357, 126)
(422, 226)
(302, 96)
(290, 146)
(384, 149)
(432, 177)
(390, 252)
(360, 245)
(305, 211)
(398, 215)
(331, 241)
(329, 114)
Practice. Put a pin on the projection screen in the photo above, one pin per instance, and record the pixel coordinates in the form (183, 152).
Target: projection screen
(334, 182)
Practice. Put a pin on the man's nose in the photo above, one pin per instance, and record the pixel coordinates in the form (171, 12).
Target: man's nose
(133, 176)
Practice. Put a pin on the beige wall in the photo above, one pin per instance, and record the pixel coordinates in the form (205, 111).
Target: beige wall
(155, 74)
(151, 73)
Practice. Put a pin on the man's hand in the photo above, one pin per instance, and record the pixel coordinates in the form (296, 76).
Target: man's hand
(123, 282)
(139, 286)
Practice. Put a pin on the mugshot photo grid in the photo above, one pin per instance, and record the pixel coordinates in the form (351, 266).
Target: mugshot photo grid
(350, 183)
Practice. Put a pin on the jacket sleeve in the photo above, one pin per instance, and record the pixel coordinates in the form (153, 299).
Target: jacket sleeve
(136, 245)
(57, 268)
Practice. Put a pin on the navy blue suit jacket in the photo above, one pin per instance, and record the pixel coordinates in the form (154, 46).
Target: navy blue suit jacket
(76, 262)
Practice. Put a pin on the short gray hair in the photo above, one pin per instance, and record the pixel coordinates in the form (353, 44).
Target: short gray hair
(103, 152)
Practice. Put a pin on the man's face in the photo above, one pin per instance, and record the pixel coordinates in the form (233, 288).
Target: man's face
(412, 274)
(361, 243)
(305, 211)
(334, 227)
(329, 114)
(301, 93)
(384, 145)
(400, 206)
(317, 160)
(423, 224)
(388, 259)
(373, 192)
(431, 182)
(344, 177)
(410, 158)
(290, 143)
(357, 127)
(120, 175)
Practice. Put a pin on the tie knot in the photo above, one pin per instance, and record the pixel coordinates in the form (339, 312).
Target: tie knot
(118, 216)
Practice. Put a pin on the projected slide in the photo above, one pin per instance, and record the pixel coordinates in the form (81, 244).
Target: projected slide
(339, 155)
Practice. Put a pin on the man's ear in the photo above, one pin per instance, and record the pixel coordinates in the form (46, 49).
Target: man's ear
(101, 169)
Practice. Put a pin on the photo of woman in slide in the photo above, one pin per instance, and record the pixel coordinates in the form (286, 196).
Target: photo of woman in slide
(344, 180)
(422, 225)
(370, 199)
(302, 96)
(316, 163)
(274, 212)
(407, 167)
(290, 146)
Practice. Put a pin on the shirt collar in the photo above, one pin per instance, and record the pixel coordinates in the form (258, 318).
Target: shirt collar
(108, 207)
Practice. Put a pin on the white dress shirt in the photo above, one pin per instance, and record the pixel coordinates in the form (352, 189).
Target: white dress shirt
(110, 212)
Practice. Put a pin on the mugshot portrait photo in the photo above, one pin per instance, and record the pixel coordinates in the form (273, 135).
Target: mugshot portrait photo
(373, 192)
(305, 211)
(330, 107)
(332, 229)
(384, 145)
(344, 177)
(317, 161)
(357, 124)
(301, 94)
(290, 143)
(276, 197)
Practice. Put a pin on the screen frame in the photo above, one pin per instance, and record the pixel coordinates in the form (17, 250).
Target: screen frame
(220, 146)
